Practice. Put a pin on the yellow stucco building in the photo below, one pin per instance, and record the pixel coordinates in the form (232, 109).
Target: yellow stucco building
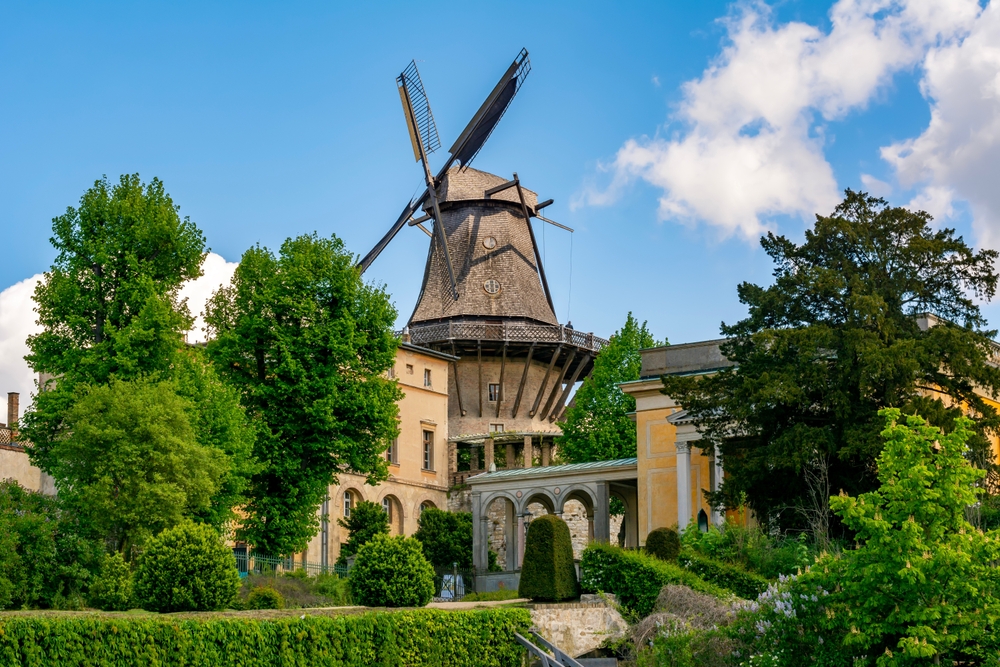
(418, 459)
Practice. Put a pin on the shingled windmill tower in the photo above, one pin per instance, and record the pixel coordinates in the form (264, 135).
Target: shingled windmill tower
(484, 297)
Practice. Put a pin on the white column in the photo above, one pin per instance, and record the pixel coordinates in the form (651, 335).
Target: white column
(683, 485)
(718, 518)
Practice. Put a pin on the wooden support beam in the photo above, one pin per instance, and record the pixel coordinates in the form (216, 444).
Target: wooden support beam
(479, 354)
(545, 381)
(458, 385)
(569, 386)
(500, 188)
(557, 387)
(524, 377)
(503, 364)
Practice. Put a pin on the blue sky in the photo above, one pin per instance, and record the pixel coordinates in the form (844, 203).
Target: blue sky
(669, 134)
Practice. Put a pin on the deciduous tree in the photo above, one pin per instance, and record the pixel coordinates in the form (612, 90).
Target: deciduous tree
(836, 338)
(597, 426)
(307, 344)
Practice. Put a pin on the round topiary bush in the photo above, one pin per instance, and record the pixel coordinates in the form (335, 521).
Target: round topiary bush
(186, 568)
(548, 572)
(265, 597)
(664, 543)
(392, 572)
(112, 589)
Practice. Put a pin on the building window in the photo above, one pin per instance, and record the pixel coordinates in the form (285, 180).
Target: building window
(387, 507)
(348, 503)
(427, 377)
(494, 391)
(392, 454)
(409, 369)
(428, 450)
(426, 505)
(496, 428)
(391, 373)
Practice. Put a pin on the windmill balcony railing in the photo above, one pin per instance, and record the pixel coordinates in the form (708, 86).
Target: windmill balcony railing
(505, 331)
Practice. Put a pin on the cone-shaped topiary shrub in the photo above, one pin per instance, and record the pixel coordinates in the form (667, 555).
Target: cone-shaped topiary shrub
(392, 572)
(664, 543)
(548, 572)
(186, 568)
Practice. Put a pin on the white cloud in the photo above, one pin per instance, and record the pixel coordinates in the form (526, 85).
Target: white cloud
(874, 186)
(936, 200)
(17, 322)
(958, 155)
(753, 137)
(216, 272)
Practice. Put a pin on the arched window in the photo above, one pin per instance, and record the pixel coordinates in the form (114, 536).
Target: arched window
(387, 506)
(426, 505)
(348, 504)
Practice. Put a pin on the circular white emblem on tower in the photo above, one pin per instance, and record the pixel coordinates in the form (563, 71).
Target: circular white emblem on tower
(491, 286)
(489, 243)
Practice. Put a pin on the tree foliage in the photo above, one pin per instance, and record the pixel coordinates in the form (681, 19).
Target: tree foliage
(597, 426)
(306, 343)
(923, 580)
(836, 338)
(110, 312)
(44, 561)
(130, 464)
(367, 520)
(446, 537)
(548, 572)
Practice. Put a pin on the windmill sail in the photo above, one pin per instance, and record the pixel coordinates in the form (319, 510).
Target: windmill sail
(419, 110)
(483, 123)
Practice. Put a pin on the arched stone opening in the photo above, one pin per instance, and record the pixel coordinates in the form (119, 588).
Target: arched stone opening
(394, 509)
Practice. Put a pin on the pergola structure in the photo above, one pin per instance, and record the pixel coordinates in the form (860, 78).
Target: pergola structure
(593, 484)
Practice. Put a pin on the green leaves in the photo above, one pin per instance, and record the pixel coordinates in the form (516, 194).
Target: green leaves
(306, 344)
(130, 464)
(392, 572)
(446, 537)
(366, 521)
(598, 427)
(837, 337)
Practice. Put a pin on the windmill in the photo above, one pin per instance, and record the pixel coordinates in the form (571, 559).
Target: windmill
(485, 298)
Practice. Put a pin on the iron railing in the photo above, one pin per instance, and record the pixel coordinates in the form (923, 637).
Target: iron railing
(505, 331)
(254, 563)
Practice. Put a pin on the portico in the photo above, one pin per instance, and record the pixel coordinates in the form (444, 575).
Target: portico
(592, 484)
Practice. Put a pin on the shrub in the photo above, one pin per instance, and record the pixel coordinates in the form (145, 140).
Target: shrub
(265, 597)
(492, 596)
(732, 577)
(44, 562)
(112, 589)
(751, 548)
(446, 537)
(392, 572)
(186, 568)
(635, 577)
(548, 572)
(664, 543)
(366, 521)
(417, 638)
(335, 589)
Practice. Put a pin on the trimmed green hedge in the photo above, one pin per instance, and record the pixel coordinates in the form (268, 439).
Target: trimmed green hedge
(732, 577)
(413, 637)
(548, 572)
(664, 543)
(636, 577)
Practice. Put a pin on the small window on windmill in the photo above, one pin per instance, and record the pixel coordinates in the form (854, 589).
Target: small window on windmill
(494, 391)
(489, 243)
(492, 286)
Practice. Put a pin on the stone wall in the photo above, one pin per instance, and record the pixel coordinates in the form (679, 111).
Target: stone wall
(574, 514)
(578, 627)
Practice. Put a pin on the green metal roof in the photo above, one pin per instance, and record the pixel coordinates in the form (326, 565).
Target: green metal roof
(548, 470)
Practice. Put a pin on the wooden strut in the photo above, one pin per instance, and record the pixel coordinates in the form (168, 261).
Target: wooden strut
(479, 354)
(458, 385)
(569, 385)
(545, 382)
(503, 363)
(557, 387)
(534, 246)
(524, 377)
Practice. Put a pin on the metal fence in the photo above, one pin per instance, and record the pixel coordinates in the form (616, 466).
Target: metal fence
(454, 583)
(254, 563)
